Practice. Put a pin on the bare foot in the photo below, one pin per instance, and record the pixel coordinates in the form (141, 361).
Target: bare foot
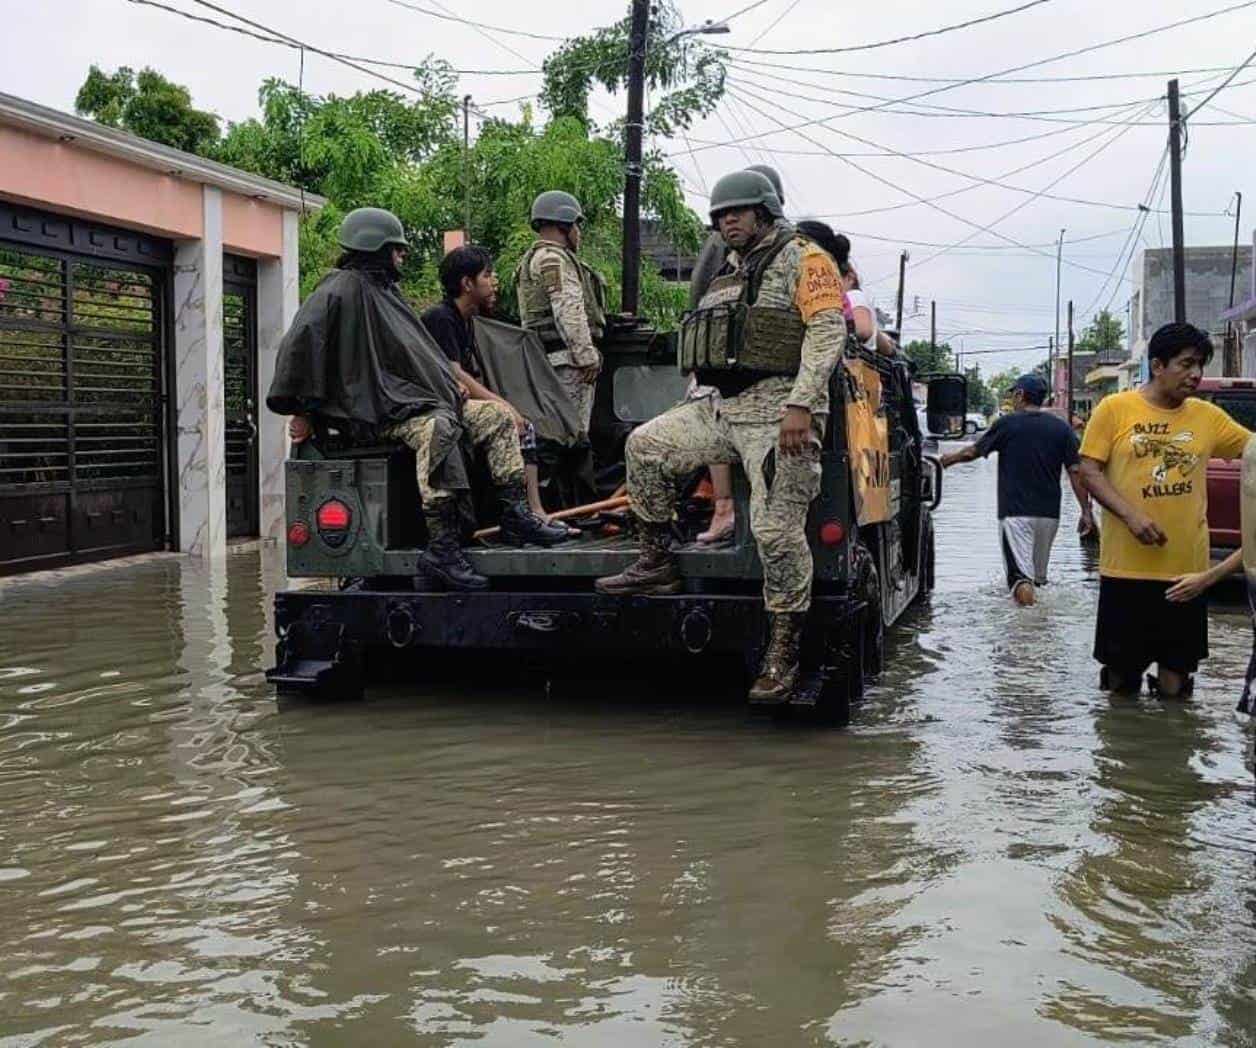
(723, 522)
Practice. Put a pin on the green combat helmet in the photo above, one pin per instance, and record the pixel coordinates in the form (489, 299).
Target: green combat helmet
(744, 189)
(370, 228)
(557, 207)
(773, 176)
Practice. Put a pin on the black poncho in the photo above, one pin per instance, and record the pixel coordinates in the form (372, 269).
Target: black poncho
(357, 352)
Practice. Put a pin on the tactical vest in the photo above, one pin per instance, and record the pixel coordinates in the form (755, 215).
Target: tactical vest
(536, 313)
(729, 332)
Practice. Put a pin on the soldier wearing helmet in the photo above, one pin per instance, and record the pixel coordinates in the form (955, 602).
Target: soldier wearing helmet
(562, 299)
(766, 336)
(358, 359)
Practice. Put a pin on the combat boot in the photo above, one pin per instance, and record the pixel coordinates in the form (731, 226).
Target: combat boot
(778, 672)
(520, 526)
(443, 560)
(655, 571)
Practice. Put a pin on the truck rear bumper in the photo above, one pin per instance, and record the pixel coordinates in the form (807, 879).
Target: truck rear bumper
(324, 637)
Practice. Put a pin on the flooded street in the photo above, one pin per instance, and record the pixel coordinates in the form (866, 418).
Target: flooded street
(994, 853)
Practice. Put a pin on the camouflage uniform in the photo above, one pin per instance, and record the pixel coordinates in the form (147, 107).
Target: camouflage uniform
(746, 428)
(563, 300)
(489, 425)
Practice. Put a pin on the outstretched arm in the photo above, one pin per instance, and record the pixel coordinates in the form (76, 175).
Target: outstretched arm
(1188, 587)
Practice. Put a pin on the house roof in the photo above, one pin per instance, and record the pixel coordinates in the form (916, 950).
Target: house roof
(87, 134)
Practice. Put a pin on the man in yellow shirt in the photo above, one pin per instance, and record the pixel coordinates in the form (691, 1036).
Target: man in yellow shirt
(1144, 459)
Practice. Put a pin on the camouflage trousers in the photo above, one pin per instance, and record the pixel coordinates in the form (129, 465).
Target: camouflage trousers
(695, 434)
(579, 392)
(490, 427)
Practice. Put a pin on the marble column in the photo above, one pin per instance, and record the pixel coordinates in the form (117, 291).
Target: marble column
(198, 385)
(277, 299)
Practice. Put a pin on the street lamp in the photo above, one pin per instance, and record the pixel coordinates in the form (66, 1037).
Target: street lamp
(707, 28)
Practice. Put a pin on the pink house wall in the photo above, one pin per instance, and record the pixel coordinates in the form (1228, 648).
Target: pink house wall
(58, 176)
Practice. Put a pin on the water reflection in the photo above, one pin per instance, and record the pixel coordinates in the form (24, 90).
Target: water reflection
(992, 852)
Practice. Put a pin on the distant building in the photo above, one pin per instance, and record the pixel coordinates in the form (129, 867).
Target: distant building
(1243, 316)
(1207, 300)
(674, 263)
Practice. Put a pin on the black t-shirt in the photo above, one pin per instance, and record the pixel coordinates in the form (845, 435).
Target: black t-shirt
(453, 334)
(1033, 447)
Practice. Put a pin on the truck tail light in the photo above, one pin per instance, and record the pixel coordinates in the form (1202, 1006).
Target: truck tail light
(333, 515)
(298, 533)
(832, 533)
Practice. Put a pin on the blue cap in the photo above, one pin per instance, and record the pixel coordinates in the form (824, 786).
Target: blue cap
(1033, 386)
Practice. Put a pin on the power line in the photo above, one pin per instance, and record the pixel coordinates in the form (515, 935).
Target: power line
(744, 10)
(1225, 83)
(478, 26)
(1156, 75)
(772, 25)
(1020, 68)
(901, 39)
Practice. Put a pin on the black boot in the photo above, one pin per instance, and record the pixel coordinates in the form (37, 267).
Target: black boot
(443, 560)
(778, 672)
(520, 526)
(654, 571)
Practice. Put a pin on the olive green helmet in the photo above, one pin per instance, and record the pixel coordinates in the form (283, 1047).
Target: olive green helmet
(773, 176)
(744, 189)
(555, 206)
(370, 228)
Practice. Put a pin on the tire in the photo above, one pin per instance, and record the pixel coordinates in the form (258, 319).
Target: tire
(867, 588)
(928, 560)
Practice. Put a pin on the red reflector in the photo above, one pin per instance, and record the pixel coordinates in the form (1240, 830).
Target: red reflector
(333, 516)
(832, 533)
(298, 533)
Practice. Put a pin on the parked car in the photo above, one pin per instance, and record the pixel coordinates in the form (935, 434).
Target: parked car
(1237, 396)
(974, 423)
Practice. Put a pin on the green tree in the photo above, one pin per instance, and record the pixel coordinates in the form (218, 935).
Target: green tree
(147, 105)
(930, 359)
(1104, 334)
(685, 78)
(980, 395)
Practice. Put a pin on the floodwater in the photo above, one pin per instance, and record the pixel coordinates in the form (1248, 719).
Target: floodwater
(994, 853)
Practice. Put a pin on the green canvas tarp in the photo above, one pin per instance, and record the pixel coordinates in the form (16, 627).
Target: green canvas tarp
(517, 369)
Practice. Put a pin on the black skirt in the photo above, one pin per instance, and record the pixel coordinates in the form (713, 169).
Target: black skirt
(1136, 626)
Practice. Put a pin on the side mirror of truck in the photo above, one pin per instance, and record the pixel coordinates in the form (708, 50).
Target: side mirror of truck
(947, 405)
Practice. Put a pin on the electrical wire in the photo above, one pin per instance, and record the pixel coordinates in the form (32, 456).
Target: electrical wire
(480, 27)
(907, 192)
(1022, 67)
(745, 10)
(772, 25)
(901, 39)
(1225, 83)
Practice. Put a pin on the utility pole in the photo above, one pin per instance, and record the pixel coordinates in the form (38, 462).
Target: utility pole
(1059, 259)
(1231, 362)
(1175, 189)
(902, 275)
(933, 325)
(1068, 403)
(466, 164)
(1051, 369)
(632, 155)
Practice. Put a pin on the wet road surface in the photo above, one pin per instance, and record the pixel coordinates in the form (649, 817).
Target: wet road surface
(994, 853)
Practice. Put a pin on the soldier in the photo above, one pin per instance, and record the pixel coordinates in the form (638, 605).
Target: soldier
(772, 373)
(357, 354)
(562, 299)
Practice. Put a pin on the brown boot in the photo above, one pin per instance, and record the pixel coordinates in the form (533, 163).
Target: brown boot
(654, 571)
(779, 670)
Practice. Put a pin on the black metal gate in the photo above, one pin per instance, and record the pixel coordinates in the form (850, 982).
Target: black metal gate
(82, 420)
(239, 338)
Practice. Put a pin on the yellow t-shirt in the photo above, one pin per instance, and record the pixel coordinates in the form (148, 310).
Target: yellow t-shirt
(1157, 460)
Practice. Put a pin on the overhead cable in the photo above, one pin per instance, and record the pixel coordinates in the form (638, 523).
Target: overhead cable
(1018, 68)
(1223, 85)
(901, 39)
(448, 16)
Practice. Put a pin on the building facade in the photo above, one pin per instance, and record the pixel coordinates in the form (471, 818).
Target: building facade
(143, 294)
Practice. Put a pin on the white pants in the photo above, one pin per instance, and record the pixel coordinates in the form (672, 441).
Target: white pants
(1026, 543)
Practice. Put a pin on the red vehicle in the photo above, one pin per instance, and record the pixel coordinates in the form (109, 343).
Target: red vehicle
(1237, 396)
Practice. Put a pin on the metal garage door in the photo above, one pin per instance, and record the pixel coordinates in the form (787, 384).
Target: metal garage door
(82, 426)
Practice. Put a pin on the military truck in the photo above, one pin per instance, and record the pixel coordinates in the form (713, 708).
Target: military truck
(353, 518)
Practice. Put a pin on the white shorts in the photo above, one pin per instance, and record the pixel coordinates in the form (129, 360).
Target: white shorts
(1026, 543)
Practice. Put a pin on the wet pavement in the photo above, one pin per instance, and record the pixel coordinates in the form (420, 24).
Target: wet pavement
(994, 853)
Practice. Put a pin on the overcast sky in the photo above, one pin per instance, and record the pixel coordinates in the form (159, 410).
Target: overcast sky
(990, 293)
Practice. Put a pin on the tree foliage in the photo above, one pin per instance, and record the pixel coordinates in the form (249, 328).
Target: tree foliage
(1105, 334)
(150, 106)
(684, 77)
(930, 359)
(382, 149)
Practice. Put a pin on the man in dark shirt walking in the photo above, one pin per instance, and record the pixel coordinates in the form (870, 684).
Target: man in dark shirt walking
(1033, 447)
